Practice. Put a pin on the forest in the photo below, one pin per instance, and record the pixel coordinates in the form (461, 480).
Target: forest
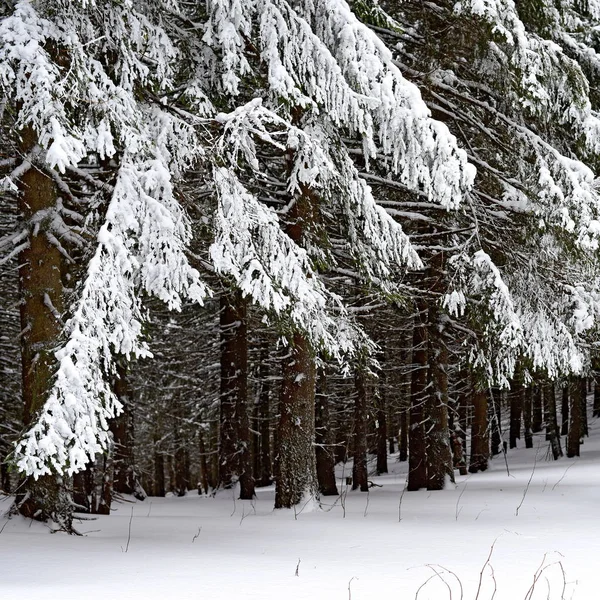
(244, 242)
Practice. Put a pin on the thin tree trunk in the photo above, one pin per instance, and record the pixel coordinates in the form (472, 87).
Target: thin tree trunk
(596, 410)
(575, 429)
(262, 459)
(459, 429)
(564, 412)
(417, 456)
(204, 485)
(537, 413)
(496, 420)
(552, 431)
(584, 420)
(526, 395)
(359, 436)
(480, 442)
(381, 431)
(516, 408)
(234, 449)
(324, 454)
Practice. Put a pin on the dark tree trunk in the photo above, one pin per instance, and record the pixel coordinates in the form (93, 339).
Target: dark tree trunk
(359, 435)
(552, 431)
(381, 431)
(204, 486)
(480, 442)
(496, 420)
(324, 454)
(41, 307)
(234, 449)
(403, 435)
(596, 410)
(564, 412)
(439, 454)
(126, 479)
(295, 462)
(262, 456)
(575, 421)
(537, 414)
(159, 466)
(516, 408)
(584, 420)
(526, 395)
(417, 457)
(459, 426)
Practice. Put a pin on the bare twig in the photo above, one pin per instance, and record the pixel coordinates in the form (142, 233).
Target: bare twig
(129, 532)
(563, 475)
(457, 511)
(297, 574)
(529, 482)
(197, 535)
(485, 564)
(349, 590)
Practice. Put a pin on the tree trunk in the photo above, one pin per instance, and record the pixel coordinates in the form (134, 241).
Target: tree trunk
(324, 440)
(204, 486)
(41, 307)
(516, 408)
(480, 443)
(234, 448)
(575, 429)
(381, 431)
(584, 420)
(596, 410)
(537, 414)
(526, 395)
(439, 455)
(295, 461)
(496, 420)
(417, 455)
(262, 457)
(552, 431)
(359, 436)
(564, 412)
(126, 479)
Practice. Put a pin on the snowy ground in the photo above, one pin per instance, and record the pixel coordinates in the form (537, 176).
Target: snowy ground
(373, 547)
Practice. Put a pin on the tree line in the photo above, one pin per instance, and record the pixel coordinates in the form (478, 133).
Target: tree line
(245, 241)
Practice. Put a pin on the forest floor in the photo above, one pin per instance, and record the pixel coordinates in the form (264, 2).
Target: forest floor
(365, 546)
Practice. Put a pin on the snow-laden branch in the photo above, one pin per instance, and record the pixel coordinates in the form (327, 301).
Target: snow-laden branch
(140, 247)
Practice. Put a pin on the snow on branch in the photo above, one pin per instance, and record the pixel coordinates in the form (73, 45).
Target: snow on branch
(320, 57)
(140, 246)
(268, 267)
(375, 240)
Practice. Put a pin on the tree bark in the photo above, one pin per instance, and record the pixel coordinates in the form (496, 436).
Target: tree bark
(41, 307)
(564, 412)
(381, 431)
(234, 448)
(359, 434)
(295, 461)
(262, 458)
(496, 420)
(439, 455)
(552, 430)
(516, 408)
(526, 395)
(480, 442)
(575, 428)
(417, 455)
(324, 454)
(537, 414)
